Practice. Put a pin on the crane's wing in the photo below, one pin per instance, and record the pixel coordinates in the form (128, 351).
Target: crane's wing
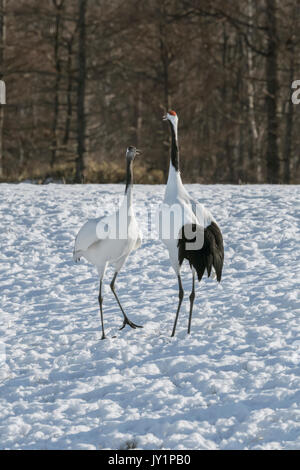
(92, 231)
(211, 255)
(212, 252)
(202, 214)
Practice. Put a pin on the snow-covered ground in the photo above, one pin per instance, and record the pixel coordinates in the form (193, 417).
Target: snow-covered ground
(234, 383)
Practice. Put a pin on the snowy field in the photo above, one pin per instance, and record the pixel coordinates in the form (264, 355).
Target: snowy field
(234, 383)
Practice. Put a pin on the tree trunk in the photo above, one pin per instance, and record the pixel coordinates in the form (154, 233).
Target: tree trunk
(288, 138)
(58, 18)
(2, 47)
(289, 130)
(273, 167)
(69, 91)
(251, 98)
(138, 116)
(164, 58)
(81, 86)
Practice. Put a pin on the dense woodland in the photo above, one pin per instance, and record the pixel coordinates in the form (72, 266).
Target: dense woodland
(86, 78)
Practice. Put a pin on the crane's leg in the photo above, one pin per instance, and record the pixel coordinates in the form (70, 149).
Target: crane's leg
(181, 293)
(192, 298)
(100, 300)
(126, 319)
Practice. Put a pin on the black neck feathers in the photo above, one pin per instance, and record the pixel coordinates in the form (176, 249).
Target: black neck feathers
(174, 149)
(129, 174)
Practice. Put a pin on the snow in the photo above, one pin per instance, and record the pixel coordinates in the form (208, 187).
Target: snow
(232, 384)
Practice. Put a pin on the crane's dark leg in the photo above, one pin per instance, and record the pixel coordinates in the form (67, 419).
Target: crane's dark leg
(100, 300)
(126, 319)
(181, 293)
(192, 298)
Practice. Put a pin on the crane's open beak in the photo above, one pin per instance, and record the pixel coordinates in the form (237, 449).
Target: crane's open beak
(165, 117)
(138, 152)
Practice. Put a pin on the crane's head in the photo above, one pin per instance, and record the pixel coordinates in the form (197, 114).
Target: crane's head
(172, 117)
(132, 152)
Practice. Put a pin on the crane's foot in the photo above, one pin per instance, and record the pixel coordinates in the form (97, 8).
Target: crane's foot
(103, 336)
(130, 323)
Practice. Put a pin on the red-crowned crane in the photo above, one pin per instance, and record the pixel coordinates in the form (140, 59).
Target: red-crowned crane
(187, 228)
(111, 239)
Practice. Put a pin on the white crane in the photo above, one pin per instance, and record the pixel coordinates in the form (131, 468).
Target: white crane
(187, 228)
(111, 239)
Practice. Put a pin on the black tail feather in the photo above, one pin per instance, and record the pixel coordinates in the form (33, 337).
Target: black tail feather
(210, 255)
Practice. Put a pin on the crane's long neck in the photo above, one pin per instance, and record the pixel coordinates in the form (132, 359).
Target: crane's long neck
(129, 181)
(174, 186)
(174, 161)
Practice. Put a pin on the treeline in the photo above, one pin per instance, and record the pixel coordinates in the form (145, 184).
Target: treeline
(86, 78)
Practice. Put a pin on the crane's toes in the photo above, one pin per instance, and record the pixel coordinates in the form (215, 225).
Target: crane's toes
(130, 323)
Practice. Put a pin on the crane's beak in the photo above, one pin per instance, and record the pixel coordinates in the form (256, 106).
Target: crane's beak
(138, 152)
(165, 117)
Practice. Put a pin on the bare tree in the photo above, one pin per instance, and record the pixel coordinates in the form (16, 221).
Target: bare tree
(58, 5)
(88, 78)
(2, 48)
(81, 89)
(272, 156)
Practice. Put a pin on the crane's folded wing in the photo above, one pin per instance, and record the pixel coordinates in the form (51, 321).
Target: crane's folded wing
(202, 213)
(92, 231)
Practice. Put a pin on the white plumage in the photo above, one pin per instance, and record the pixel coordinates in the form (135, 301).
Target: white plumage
(99, 243)
(186, 210)
(180, 216)
(111, 239)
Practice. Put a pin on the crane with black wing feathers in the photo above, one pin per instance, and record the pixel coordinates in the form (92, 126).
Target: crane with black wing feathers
(195, 235)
